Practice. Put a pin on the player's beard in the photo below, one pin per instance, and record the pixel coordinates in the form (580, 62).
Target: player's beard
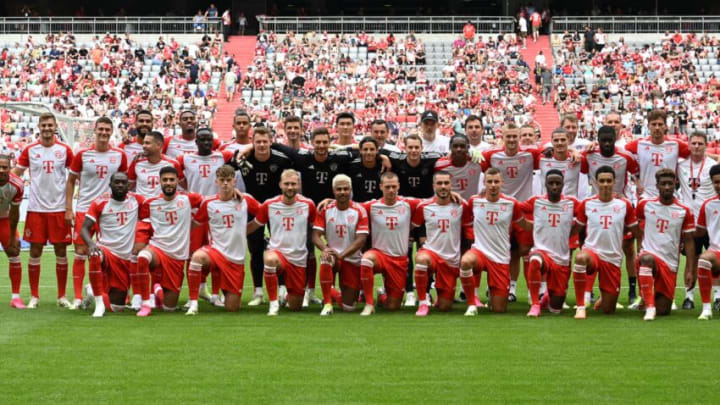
(289, 194)
(119, 195)
(168, 191)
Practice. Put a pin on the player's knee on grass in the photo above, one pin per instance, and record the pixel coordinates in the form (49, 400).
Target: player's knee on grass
(663, 305)
(392, 303)
(444, 304)
(609, 302)
(349, 296)
(498, 303)
(232, 301)
(294, 302)
(117, 297)
(171, 299)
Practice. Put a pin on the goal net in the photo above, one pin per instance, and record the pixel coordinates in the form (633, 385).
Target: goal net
(72, 130)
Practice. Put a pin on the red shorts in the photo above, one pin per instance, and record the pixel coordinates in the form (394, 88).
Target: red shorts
(665, 278)
(5, 232)
(170, 271)
(394, 271)
(498, 274)
(557, 275)
(609, 274)
(294, 275)
(77, 237)
(41, 227)
(143, 232)
(116, 270)
(198, 237)
(520, 235)
(232, 275)
(349, 275)
(445, 275)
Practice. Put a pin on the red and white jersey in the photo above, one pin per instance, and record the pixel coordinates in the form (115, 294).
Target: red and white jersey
(11, 194)
(288, 226)
(663, 226)
(177, 145)
(552, 224)
(605, 224)
(227, 223)
(444, 227)
(571, 174)
(48, 175)
(200, 170)
(491, 222)
(621, 162)
(146, 175)
(171, 221)
(652, 157)
(232, 147)
(390, 224)
(94, 169)
(116, 221)
(465, 179)
(517, 170)
(697, 175)
(131, 150)
(709, 219)
(341, 226)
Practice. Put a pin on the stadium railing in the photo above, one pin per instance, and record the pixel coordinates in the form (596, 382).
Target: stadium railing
(397, 25)
(637, 24)
(113, 25)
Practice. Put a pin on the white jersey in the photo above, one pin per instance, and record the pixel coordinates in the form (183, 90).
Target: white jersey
(571, 174)
(177, 145)
(605, 224)
(482, 146)
(227, 223)
(390, 225)
(116, 221)
(622, 163)
(11, 194)
(94, 169)
(341, 226)
(695, 183)
(465, 179)
(517, 170)
(131, 150)
(232, 147)
(444, 226)
(288, 226)
(491, 223)
(146, 175)
(170, 222)
(200, 170)
(663, 227)
(441, 144)
(48, 175)
(652, 157)
(552, 224)
(709, 219)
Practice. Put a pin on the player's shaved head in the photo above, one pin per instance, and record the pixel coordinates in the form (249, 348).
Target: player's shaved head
(554, 172)
(388, 176)
(157, 137)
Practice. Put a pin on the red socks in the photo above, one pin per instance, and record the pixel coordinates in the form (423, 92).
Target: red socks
(143, 277)
(647, 284)
(326, 282)
(271, 282)
(534, 278)
(467, 280)
(78, 272)
(590, 281)
(15, 271)
(579, 281)
(34, 276)
(61, 271)
(96, 276)
(421, 281)
(367, 279)
(194, 274)
(705, 280)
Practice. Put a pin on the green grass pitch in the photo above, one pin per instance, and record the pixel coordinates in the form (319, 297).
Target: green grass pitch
(52, 355)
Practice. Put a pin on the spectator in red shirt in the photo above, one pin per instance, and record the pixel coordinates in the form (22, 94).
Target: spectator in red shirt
(469, 31)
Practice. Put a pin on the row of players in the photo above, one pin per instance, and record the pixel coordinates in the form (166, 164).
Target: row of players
(266, 163)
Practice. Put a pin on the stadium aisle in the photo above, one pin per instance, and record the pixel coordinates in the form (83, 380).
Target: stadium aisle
(243, 50)
(546, 115)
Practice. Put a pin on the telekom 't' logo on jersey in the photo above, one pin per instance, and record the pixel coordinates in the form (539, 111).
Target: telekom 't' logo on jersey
(662, 225)
(228, 220)
(370, 186)
(321, 177)
(340, 231)
(153, 181)
(261, 178)
(101, 171)
(511, 171)
(288, 223)
(491, 217)
(657, 158)
(391, 222)
(204, 170)
(414, 181)
(462, 184)
(121, 217)
(553, 219)
(48, 166)
(444, 224)
(171, 217)
(606, 221)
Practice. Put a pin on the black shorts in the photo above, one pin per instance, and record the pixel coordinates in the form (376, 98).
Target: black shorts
(700, 243)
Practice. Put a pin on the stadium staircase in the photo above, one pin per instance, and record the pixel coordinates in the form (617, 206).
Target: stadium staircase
(243, 50)
(545, 115)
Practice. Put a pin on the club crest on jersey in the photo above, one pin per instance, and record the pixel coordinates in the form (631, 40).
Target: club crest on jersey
(333, 167)
(273, 168)
(58, 154)
(214, 159)
(238, 206)
(180, 204)
(113, 160)
(454, 213)
(617, 209)
(401, 210)
(299, 211)
(503, 208)
(668, 149)
(522, 160)
(675, 215)
(424, 172)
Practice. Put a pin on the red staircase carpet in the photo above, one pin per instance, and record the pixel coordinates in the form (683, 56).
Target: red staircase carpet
(545, 115)
(243, 50)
